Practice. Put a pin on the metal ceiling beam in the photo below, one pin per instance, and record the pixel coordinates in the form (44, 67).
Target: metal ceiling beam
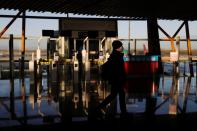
(54, 17)
(112, 8)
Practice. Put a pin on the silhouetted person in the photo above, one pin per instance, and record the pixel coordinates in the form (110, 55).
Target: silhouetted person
(117, 78)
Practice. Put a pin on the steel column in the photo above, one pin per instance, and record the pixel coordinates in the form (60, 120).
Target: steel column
(11, 62)
(129, 35)
(188, 39)
(23, 89)
(23, 45)
(153, 40)
(189, 51)
(153, 37)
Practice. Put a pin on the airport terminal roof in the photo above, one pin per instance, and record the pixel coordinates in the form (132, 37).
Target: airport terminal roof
(134, 9)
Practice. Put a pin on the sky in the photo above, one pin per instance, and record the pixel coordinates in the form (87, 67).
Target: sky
(138, 29)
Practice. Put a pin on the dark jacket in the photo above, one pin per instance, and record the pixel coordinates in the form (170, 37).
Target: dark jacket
(117, 68)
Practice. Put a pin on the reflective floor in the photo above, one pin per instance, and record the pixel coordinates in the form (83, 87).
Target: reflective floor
(69, 95)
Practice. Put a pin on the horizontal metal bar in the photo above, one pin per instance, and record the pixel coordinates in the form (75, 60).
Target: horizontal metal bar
(62, 17)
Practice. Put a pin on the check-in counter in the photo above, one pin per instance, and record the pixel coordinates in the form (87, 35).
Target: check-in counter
(141, 73)
(141, 65)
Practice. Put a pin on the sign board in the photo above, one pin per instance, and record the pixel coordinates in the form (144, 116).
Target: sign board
(88, 25)
(93, 28)
(173, 56)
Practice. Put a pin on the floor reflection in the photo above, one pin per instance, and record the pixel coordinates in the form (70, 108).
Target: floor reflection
(66, 95)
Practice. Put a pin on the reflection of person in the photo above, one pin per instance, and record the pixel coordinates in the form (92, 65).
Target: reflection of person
(118, 77)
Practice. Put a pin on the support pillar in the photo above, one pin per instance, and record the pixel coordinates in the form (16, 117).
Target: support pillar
(153, 39)
(129, 35)
(189, 51)
(23, 45)
(135, 50)
(11, 59)
(11, 62)
(23, 89)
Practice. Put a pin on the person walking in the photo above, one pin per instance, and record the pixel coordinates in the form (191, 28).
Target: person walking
(117, 78)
